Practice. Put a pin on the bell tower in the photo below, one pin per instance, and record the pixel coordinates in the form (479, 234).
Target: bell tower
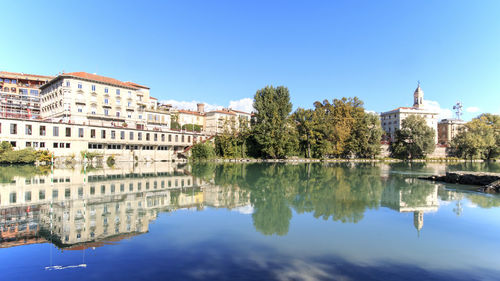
(418, 97)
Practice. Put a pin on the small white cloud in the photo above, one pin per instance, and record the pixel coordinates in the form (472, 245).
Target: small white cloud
(245, 104)
(434, 106)
(244, 210)
(472, 109)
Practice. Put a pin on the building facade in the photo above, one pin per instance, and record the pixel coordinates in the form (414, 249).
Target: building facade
(391, 120)
(20, 94)
(85, 98)
(448, 129)
(69, 140)
(219, 121)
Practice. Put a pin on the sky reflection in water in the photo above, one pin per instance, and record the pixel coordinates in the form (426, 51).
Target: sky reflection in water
(256, 222)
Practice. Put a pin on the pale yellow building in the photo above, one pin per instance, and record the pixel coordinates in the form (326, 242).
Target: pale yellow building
(448, 129)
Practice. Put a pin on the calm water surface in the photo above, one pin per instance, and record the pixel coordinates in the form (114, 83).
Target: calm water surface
(246, 222)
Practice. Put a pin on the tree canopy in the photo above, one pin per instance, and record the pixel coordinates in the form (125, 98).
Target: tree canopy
(480, 138)
(414, 140)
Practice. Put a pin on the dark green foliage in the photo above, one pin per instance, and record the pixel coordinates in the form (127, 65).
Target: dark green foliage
(22, 156)
(338, 129)
(110, 161)
(175, 125)
(273, 129)
(191, 127)
(415, 139)
(202, 151)
(479, 139)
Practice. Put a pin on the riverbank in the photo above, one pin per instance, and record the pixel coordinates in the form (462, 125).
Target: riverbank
(308, 160)
(489, 182)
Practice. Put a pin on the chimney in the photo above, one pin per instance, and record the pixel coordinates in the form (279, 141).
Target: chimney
(200, 107)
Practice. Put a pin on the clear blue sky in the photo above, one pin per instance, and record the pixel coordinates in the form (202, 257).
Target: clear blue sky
(217, 51)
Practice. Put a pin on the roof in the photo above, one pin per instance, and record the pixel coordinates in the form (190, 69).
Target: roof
(137, 85)
(422, 110)
(243, 112)
(153, 98)
(190, 112)
(98, 78)
(15, 75)
(223, 112)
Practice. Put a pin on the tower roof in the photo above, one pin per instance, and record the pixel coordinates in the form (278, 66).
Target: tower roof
(418, 90)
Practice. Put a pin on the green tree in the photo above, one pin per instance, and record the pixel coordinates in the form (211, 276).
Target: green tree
(480, 138)
(337, 121)
(414, 140)
(364, 140)
(202, 151)
(307, 129)
(273, 130)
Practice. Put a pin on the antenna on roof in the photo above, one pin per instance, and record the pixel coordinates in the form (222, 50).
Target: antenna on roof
(458, 109)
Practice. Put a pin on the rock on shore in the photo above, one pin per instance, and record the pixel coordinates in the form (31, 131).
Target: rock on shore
(489, 182)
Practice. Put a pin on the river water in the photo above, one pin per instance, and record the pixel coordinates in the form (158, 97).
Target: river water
(164, 221)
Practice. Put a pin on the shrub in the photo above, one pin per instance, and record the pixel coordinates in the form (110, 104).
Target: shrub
(202, 151)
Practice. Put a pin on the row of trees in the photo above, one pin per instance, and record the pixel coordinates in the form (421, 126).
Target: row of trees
(341, 128)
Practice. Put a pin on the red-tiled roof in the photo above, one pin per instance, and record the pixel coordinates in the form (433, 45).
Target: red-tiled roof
(24, 75)
(153, 98)
(137, 85)
(98, 78)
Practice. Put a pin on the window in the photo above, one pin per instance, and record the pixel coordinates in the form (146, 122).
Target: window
(28, 144)
(80, 109)
(162, 137)
(34, 93)
(129, 104)
(122, 135)
(68, 145)
(129, 94)
(118, 101)
(55, 145)
(169, 137)
(118, 114)
(80, 132)
(42, 144)
(106, 90)
(28, 130)
(13, 129)
(113, 135)
(139, 136)
(156, 137)
(13, 197)
(106, 101)
(147, 136)
(93, 87)
(131, 137)
(41, 195)
(79, 85)
(68, 132)
(55, 131)
(27, 196)
(103, 134)
(106, 111)
(176, 138)
(68, 84)
(117, 92)
(92, 133)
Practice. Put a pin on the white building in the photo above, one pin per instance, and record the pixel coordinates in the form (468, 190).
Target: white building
(391, 120)
(226, 119)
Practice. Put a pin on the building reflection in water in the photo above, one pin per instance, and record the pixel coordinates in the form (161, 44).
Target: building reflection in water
(411, 195)
(81, 208)
(77, 209)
